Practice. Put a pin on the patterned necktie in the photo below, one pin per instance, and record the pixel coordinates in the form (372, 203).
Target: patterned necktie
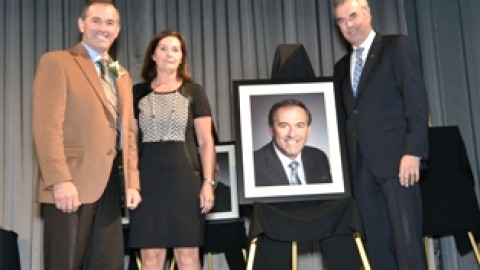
(107, 85)
(294, 179)
(357, 71)
(111, 96)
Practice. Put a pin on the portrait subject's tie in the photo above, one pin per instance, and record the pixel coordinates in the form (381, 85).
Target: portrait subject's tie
(294, 179)
(357, 70)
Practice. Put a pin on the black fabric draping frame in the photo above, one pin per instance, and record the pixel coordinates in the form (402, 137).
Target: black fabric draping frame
(449, 203)
(283, 224)
(9, 256)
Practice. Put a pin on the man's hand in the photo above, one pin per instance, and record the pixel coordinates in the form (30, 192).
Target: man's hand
(409, 170)
(65, 197)
(132, 198)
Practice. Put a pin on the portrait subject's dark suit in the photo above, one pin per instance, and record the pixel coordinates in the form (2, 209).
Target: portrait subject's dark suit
(270, 172)
(386, 120)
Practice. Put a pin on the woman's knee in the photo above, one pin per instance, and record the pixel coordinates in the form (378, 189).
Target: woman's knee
(152, 257)
(187, 257)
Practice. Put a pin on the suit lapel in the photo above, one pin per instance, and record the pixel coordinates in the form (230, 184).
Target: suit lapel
(346, 86)
(121, 88)
(308, 165)
(81, 57)
(274, 166)
(371, 61)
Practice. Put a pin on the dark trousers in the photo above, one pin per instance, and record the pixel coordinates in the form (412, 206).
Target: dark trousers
(90, 238)
(392, 219)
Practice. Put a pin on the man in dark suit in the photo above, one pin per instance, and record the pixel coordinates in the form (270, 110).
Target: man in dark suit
(289, 124)
(383, 103)
(78, 118)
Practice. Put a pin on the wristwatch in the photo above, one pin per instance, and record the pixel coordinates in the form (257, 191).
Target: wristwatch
(211, 182)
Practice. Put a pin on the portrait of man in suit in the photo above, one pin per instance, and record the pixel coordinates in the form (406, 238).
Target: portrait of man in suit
(287, 159)
(223, 196)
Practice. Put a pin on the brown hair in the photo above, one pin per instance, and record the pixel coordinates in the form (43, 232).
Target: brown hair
(149, 68)
(83, 15)
(285, 104)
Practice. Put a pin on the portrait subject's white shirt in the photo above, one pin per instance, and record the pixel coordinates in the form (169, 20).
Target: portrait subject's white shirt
(286, 161)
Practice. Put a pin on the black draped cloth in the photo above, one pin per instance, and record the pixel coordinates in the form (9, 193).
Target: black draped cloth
(305, 221)
(9, 257)
(448, 197)
(291, 62)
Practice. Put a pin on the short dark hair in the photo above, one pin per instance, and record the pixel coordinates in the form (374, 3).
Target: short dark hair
(149, 68)
(287, 103)
(83, 15)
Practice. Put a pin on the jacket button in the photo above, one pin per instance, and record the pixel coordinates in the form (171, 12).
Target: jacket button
(355, 111)
(110, 152)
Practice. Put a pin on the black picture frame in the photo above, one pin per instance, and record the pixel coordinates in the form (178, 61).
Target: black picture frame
(226, 195)
(252, 102)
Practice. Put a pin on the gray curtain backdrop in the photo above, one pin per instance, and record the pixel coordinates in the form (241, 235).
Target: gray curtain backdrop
(226, 40)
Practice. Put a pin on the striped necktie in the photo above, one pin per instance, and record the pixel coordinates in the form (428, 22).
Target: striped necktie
(107, 85)
(294, 179)
(111, 96)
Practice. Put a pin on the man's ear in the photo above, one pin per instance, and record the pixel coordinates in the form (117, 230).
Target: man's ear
(81, 26)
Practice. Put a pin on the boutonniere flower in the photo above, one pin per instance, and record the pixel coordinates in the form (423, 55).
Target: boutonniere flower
(114, 68)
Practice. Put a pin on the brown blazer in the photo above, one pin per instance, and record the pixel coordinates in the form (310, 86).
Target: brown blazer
(74, 129)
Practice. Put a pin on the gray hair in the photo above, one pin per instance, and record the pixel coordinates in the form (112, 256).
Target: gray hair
(362, 3)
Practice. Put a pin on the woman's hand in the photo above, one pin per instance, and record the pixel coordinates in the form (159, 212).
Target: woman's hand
(207, 197)
(133, 198)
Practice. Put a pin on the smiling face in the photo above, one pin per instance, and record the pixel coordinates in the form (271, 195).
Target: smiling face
(100, 27)
(354, 21)
(290, 130)
(168, 54)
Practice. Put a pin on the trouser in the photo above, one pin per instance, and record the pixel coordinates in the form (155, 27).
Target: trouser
(90, 238)
(392, 218)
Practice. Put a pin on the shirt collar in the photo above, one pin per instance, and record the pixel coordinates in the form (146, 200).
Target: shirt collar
(368, 42)
(94, 55)
(286, 160)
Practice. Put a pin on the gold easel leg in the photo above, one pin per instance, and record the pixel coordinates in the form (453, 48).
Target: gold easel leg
(429, 252)
(251, 253)
(294, 255)
(172, 264)
(138, 260)
(474, 246)
(209, 261)
(361, 250)
(427, 246)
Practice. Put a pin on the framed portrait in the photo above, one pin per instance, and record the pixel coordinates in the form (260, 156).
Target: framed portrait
(226, 196)
(266, 144)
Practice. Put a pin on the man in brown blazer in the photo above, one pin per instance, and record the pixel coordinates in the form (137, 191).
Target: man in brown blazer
(83, 142)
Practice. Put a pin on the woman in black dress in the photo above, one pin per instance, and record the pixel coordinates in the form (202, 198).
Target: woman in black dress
(177, 157)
